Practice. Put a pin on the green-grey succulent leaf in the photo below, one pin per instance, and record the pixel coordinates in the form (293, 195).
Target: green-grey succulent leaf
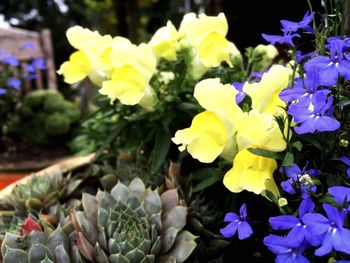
(102, 238)
(86, 227)
(118, 258)
(156, 220)
(148, 259)
(90, 207)
(168, 238)
(85, 248)
(15, 255)
(169, 199)
(38, 252)
(47, 260)
(36, 237)
(152, 203)
(183, 246)
(137, 188)
(135, 255)
(61, 254)
(120, 191)
(108, 181)
(100, 255)
(156, 247)
(175, 217)
(57, 238)
(10, 241)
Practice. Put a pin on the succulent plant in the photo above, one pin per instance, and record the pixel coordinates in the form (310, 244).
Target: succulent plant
(34, 245)
(133, 224)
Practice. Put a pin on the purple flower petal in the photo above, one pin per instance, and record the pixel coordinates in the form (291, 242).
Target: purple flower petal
(306, 206)
(317, 223)
(340, 193)
(229, 230)
(276, 244)
(326, 246)
(283, 222)
(244, 230)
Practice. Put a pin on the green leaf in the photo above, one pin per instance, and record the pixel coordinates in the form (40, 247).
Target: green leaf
(265, 153)
(161, 148)
(288, 159)
(211, 177)
(110, 138)
(298, 145)
(344, 102)
(311, 139)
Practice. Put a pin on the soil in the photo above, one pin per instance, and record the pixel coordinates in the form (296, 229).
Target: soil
(19, 155)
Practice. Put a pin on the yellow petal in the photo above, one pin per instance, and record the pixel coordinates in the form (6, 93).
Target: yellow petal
(264, 94)
(213, 49)
(127, 85)
(260, 130)
(216, 97)
(78, 36)
(205, 139)
(164, 42)
(252, 173)
(77, 68)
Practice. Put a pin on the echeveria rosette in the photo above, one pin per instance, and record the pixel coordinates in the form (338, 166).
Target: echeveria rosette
(133, 224)
(237, 223)
(299, 233)
(330, 68)
(284, 252)
(334, 235)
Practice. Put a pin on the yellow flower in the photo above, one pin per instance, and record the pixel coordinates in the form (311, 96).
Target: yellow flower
(252, 173)
(207, 36)
(164, 42)
(78, 36)
(205, 139)
(260, 130)
(77, 68)
(264, 94)
(133, 67)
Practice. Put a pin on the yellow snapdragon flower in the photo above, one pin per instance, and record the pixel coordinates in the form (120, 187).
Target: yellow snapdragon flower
(164, 42)
(252, 173)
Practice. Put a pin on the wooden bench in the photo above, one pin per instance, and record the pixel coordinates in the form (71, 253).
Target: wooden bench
(13, 39)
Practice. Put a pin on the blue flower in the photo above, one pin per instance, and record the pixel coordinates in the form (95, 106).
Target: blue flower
(299, 179)
(237, 223)
(300, 57)
(290, 26)
(314, 115)
(2, 91)
(282, 39)
(241, 94)
(39, 63)
(346, 160)
(299, 231)
(29, 45)
(341, 194)
(331, 227)
(285, 252)
(331, 67)
(14, 83)
(10, 60)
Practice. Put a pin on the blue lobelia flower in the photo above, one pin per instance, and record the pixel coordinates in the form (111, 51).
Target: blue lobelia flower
(237, 223)
(14, 83)
(332, 67)
(299, 179)
(346, 160)
(341, 194)
(331, 227)
(10, 60)
(285, 252)
(2, 91)
(314, 115)
(290, 26)
(29, 45)
(301, 57)
(299, 232)
(39, 63)
(241, 94)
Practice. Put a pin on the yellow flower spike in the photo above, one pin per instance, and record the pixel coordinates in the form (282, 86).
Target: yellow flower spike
(261, 130)
(205, 139)
(164, 42)
(77, 68)
(78, 36)
(264, 94)
(220, 99)
(127, 84)
(252, 173)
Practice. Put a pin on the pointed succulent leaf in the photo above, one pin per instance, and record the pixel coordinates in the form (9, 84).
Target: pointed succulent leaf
(39, 252)
(169, 199)
(102, 238)
(168, 238)
(15, 255)
(176, 217)
(152, 203)
(108, 201)
(183, 247)
(30, 225)
(72, 186)
(86, 227)
(85, 248)
(48, 260)
(137, 188)
(100, 255)
(90, 207)
(156, 220)
(118, 258)
(148, 259)
(57, 238)
(61, 254)
(120, 191)
(36, 237)
(156, 247)
(166, 259)
(135, 255)
(10, 241)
